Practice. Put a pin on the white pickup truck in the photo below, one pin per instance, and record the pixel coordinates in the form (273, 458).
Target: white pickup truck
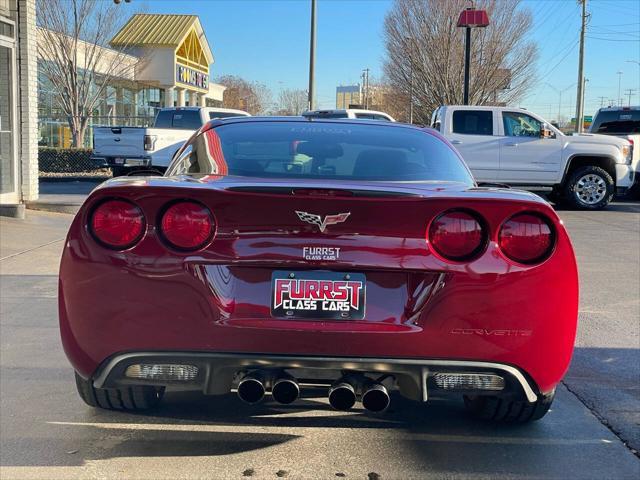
(623, 122)
(124, 149)
(516, 147)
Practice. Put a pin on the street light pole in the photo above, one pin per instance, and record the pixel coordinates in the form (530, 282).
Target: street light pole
(580, 96)
(312, 55)
(467, 61)
(411, 97)
(619, 73)
(470, 18)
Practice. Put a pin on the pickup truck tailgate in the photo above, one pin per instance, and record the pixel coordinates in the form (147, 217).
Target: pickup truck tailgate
(119, 141)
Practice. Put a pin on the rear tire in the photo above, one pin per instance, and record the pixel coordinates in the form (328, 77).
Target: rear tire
(589, 188)
(133, 398)
(508, 411)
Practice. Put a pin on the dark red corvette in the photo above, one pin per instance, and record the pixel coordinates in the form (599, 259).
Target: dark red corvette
(279, 254)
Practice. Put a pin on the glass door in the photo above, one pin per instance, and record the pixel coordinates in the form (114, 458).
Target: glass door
(8, 144)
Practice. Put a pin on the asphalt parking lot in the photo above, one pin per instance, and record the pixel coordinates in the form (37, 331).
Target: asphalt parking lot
(593, 430)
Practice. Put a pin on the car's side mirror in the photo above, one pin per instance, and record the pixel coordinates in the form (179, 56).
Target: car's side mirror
(546, 132)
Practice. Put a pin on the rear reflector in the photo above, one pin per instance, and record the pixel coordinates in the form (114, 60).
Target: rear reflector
(468, 381)
(117, 224)
(187, 225)
(168, 372)
(526, 238)
(457, 235)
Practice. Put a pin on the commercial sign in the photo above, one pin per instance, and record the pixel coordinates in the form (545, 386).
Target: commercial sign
(191, 77)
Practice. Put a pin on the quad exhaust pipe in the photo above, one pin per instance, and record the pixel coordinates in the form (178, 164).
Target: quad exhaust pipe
(285, 390)
(252, 388)
(343, 394)
(376, 398)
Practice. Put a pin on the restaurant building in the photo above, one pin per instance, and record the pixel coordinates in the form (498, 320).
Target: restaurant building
(171, 66)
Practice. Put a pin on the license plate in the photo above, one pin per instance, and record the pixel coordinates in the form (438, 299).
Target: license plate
(318, 295)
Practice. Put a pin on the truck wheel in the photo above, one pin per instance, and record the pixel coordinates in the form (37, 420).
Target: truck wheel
(508, 411)
(126, 398)
(589, 188)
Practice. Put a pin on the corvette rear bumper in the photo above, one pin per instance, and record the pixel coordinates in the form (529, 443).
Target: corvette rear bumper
(217, 372)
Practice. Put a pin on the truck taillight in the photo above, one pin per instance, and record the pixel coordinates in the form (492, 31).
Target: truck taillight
(117, 224)
(526, 238)
(150, 142)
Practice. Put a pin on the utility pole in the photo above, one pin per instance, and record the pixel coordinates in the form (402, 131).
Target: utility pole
(619, 73)
(602, 99)
(312, 55)
(629, 93)
(365, 81)
(579, 96)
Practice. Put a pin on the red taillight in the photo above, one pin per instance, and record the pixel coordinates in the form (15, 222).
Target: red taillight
(187, 225)
(526, 238)
(117, 224)
(457, 235)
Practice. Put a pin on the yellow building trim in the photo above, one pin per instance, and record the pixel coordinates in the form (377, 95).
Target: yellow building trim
(191, 53)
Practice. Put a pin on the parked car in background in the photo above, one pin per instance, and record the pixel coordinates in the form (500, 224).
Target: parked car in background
(283, 253)
(516, 147)
(623, 122)
(124, 149)
(349, 113)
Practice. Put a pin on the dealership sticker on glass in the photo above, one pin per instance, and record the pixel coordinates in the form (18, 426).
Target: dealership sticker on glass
(318, 295)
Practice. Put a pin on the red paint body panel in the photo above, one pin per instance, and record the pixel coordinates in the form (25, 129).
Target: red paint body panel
(218, 299)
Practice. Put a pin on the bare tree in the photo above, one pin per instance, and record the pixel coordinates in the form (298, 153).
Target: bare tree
(252, 97)
(292, 101)
(71, 44)
(425, 49)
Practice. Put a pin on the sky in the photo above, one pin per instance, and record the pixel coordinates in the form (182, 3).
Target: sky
(268, 41)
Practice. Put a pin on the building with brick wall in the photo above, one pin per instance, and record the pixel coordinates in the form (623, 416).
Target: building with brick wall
(18, 106)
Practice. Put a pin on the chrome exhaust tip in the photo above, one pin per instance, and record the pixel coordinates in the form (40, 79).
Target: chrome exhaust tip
(251, 389)
(376, 398)
(285, 390)
(342, 396)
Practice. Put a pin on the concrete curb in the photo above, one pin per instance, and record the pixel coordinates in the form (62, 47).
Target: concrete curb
(13, 211)
(73, 179)
(70, 208)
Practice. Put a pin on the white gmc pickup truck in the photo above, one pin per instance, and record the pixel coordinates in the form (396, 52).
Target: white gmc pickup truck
(516, 147)
(125, 149)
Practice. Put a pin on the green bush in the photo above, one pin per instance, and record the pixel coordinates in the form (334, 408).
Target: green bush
(65, 160)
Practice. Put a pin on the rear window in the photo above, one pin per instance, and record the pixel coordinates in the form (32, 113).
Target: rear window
(181, 119)
(473, 122)
(617, 122)
(323, 151)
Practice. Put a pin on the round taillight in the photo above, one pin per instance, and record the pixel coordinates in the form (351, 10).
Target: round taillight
(117, 224)
(187, 225)
(526, 238)
(457, 235)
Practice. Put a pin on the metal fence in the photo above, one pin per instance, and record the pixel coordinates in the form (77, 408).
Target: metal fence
(66, 160)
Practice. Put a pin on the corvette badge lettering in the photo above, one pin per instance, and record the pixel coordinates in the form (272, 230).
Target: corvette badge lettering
(317, 220)
(493, 332)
